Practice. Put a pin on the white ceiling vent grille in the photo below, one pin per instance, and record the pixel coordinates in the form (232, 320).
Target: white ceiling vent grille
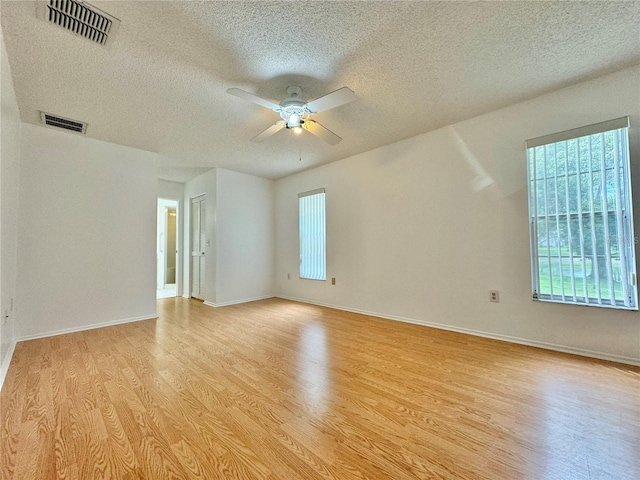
(80, 18)
(60, 122)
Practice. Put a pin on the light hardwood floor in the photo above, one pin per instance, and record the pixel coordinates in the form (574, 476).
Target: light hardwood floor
(280, 390)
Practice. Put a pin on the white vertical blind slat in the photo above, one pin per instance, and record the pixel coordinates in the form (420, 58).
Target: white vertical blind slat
(605, 218)
(592, 217)
(568, 211)
(533, 195)
(546, 219)
(557, 204)
(583, 259)
(628, 221)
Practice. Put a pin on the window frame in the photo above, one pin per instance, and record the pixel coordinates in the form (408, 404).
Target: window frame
(623, 217)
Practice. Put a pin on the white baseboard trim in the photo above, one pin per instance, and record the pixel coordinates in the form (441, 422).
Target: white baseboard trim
(236, 302)
(4, 368)
(479, 333)
(63, 331)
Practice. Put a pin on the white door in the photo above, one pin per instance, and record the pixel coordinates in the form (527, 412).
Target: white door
(197, 247)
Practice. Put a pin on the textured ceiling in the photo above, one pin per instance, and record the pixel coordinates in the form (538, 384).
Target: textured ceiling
(414, 66)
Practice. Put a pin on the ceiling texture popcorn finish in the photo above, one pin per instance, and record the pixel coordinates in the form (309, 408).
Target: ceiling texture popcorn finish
(414, 66)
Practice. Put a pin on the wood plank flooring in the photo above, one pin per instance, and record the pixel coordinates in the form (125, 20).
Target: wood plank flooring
(279, 390)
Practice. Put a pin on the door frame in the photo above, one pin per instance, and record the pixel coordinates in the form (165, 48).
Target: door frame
(179, 270)
(165, 242)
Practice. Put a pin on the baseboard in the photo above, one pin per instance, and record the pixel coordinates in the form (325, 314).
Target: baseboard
(480, 333)
(4, 368)
(85, 327)
(235, 302)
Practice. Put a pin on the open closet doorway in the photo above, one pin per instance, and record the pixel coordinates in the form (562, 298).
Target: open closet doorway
(167, 248)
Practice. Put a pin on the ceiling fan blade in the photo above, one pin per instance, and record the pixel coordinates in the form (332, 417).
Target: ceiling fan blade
(268, 132)
(321, 132)
(252, 98)
(332, 100)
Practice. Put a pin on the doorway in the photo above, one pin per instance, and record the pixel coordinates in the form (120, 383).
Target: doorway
(198, 239)
(167, 249)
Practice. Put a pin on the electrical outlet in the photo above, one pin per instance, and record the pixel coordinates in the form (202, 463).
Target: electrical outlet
(494, 296)
(333, 280)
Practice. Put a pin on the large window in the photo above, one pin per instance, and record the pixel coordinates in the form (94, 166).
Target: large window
(313, 252)
(582, 247)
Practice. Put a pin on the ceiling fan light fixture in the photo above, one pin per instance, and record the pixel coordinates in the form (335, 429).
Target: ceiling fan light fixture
(297, 130)
(293, 121)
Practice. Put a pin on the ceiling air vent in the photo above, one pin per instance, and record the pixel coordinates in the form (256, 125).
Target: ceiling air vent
(80, 18)
(61, 122)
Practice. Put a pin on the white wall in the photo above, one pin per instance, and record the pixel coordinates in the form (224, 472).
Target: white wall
(172, 190)
(9, 190)
(87, 231)
(421, 230)
(245, 247)
(239, 215)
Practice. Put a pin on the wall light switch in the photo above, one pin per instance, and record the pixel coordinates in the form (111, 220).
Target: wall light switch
(333, 280)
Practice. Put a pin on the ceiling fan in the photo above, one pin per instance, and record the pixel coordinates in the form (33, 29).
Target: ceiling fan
(296, 112)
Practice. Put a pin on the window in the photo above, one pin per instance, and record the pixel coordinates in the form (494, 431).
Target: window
(582, 248)
(313, 257)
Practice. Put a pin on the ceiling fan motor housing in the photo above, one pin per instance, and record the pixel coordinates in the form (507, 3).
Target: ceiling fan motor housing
(293, 111)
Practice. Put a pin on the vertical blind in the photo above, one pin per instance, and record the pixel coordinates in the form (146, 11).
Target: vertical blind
(582, 244)
(312, 234)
